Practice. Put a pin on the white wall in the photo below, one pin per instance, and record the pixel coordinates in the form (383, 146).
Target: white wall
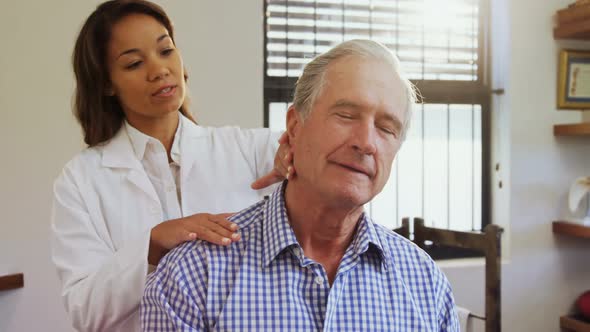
(224, 59)
(38, 136)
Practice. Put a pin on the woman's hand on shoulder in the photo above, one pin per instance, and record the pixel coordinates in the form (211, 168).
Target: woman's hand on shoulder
(283, 167)
(214, 228)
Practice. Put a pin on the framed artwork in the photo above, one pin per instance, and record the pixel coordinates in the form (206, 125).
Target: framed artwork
(573, 83)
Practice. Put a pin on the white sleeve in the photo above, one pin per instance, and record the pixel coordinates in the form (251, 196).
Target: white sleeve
(102, 287)
(264, 143)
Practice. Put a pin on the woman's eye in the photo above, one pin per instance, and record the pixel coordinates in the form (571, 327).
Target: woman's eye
(133, 65)
(344, 116)
(167, 51)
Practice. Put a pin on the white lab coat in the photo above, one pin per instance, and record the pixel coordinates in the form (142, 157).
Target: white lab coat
(105, 206)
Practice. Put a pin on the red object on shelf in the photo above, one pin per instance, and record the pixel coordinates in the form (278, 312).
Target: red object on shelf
(583, 304)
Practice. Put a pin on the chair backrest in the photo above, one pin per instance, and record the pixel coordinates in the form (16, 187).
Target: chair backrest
(404, 230)
(486, 242)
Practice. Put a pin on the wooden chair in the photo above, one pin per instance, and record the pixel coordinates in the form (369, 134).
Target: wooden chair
(404, 230)
(486, 242)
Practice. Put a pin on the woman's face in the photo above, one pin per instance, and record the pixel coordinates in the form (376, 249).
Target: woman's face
(145, 68)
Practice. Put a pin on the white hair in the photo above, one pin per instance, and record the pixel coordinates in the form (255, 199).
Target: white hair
(310, 84)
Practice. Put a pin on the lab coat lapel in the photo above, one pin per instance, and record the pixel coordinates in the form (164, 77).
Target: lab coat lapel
(193, 143)
(118, 153)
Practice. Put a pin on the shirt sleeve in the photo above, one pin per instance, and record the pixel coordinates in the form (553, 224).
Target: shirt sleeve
(175, 294)
(267, 144)
(260, 146)
(101, 286)
(448, 321)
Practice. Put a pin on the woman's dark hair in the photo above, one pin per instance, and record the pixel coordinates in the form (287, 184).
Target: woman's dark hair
(100, 114)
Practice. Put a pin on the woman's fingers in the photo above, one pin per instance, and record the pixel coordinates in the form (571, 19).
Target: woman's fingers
(284, 139)
(283, 166)
(214, 237)
(221, 220)
(213, 228)
(267, 180)
(184, 235)
(286, 165)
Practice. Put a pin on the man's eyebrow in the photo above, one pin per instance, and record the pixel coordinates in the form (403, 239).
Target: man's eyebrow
(136, 50)
(346, 103)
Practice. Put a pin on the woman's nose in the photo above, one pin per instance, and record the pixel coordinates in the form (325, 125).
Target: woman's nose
(157, 71)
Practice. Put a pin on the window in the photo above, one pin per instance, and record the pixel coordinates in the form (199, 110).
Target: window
(441, 172)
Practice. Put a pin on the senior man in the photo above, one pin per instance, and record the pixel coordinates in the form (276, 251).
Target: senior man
(310, 259)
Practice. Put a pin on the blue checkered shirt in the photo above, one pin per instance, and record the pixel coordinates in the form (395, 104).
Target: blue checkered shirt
(264, 282)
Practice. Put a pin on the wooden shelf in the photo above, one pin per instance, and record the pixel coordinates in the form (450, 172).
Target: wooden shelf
(12, 281)
(578, 129)
(571, 229)
(574, 30)
(573, 23)
(570, 323)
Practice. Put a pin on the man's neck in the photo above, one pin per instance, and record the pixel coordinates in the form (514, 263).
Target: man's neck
(324, 231)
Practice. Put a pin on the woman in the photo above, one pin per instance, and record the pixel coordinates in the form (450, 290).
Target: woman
(150, 173)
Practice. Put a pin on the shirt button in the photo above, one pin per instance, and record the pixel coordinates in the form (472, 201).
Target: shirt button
(170, 188)
(319, 280)
(296, 251)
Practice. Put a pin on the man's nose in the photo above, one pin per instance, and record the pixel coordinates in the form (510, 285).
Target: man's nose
(364, 138)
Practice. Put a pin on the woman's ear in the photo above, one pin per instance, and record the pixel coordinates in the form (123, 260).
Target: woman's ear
(294, 122)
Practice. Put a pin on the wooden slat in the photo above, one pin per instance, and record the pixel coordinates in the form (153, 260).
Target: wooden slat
(571, 229)
(573, 324)
(577, 129)
(12, 281)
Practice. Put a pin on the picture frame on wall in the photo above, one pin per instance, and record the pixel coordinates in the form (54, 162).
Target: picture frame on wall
(573, 83)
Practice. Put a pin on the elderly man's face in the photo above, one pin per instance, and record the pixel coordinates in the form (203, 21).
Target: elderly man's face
(344, 149)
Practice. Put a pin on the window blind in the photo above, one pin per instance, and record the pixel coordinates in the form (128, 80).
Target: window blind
(434, 39)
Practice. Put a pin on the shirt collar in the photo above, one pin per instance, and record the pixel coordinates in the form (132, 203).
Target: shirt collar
(139, 141)
(366, 238)
(278, 234)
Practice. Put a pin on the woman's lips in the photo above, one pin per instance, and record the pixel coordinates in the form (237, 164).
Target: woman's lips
(165, 91)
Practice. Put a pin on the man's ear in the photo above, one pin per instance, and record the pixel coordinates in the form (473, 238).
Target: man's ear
(294, 122)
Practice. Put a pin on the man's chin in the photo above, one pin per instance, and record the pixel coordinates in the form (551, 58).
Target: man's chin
(351, 196)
